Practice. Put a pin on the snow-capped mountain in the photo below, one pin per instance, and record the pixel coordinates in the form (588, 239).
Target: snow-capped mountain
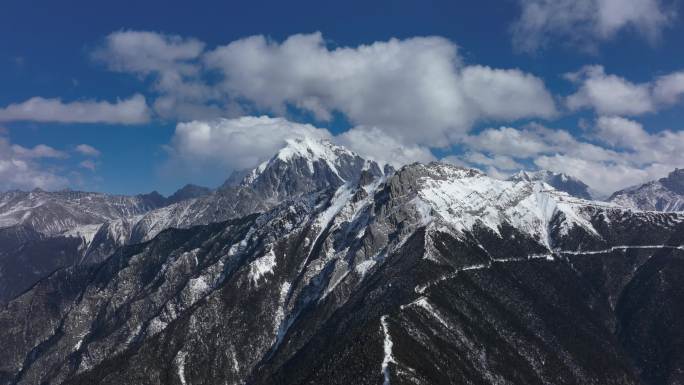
(300, 167)
(665, 194)
(559, 181)
(432, 274)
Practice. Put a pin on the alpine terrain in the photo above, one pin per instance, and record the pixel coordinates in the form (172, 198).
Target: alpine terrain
(322, 267)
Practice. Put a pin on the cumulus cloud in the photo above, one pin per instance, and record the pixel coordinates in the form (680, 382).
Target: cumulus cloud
(501, 162)
(669, 89)
(128, 111)
(146, 52)
(586, 22)
(87, 150)
(608, 94)
(613, 95)
(19, 167)
(172, 63)
(418, 89)
(506, 94)
(638, 145)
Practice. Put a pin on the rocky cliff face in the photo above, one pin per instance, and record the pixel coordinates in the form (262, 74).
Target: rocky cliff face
(433, 274)
(665, 194)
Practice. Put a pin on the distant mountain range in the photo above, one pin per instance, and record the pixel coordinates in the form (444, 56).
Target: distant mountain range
(665, 194)
(319, 266)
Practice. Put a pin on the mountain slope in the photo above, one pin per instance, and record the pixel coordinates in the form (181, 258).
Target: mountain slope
(435, 274)
(559, 181)
(665, 194)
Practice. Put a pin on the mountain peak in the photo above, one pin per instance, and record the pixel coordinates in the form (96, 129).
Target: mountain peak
(316, 159)
(311, 148)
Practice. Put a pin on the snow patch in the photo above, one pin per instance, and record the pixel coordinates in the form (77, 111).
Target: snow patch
(387, 349)
(262, 266)
(180, 365)
(364, 267)
(423, 303)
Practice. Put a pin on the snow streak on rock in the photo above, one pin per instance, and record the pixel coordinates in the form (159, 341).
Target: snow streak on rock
(262, 266)
(180, 365)
(616, 248)
(387, 350)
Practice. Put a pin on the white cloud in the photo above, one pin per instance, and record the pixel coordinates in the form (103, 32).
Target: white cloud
(88, 164)
(586, 23)
(416, 89)
(38, 151)
(608, 94)
(235, 144)
(501, 162)
(638, 145)
(506, 94)
(402, 84)
(508, 141)
(146, 52)
(614, 95)
(669, 89)
(374, 144)
(19, 168)
(87, 150)
(129, 111)
(173, 62)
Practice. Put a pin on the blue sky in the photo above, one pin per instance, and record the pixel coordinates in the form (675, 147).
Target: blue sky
(51, 50)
